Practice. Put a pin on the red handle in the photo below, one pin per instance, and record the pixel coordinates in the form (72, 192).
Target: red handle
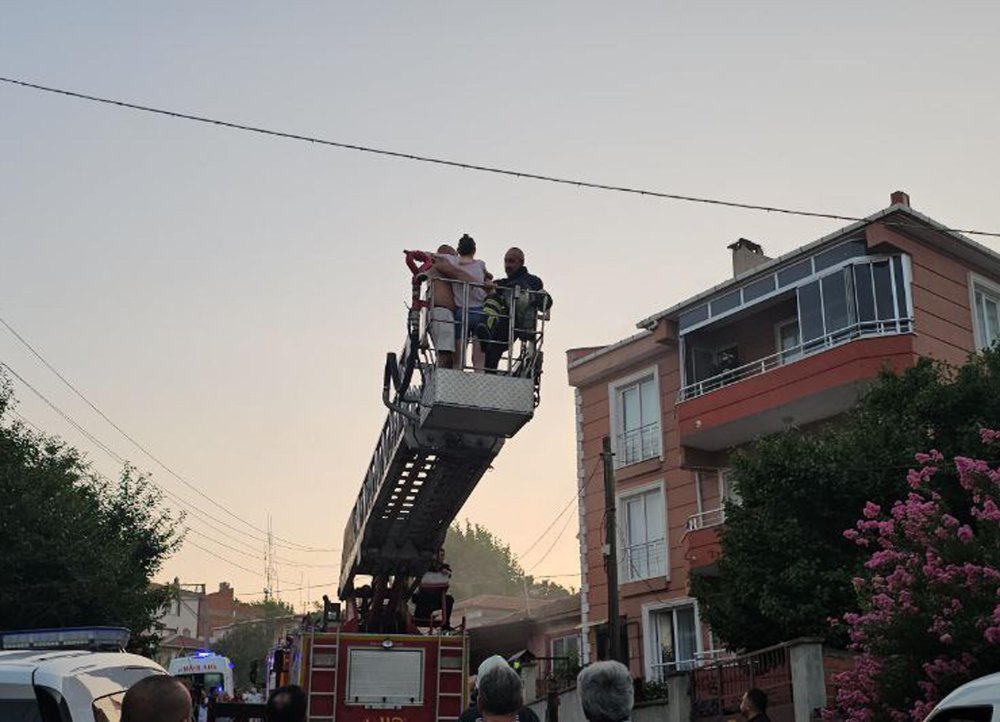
(425, 259)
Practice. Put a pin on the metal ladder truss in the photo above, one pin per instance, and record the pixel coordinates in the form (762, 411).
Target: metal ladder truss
(415, 486)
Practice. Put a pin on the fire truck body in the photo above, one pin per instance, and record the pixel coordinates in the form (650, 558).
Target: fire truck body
(375, 677)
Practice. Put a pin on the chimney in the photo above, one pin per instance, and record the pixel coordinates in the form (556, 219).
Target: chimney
(746, 256)
(900, 198)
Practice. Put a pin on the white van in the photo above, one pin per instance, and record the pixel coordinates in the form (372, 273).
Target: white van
(63, 684)
(211, 672)
(975, 701)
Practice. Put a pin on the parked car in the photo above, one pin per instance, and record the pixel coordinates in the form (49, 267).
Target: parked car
(67, 675)
(975, 701)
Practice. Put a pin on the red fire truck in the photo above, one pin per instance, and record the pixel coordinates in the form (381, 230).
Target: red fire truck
(445, 426)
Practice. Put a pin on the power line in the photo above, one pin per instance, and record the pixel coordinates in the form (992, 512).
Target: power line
(554, 542)
(458, 164)
(576, 496)
(138, 445)
(119, 459)
(293, 589)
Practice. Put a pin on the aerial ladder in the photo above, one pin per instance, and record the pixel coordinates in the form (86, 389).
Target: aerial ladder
(443, 430)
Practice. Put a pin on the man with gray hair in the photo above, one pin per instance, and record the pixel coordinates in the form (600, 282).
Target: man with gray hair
(501, 692)
(606, 692)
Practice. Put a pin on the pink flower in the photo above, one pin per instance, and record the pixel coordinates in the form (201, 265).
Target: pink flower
(871, 510)
(965, 533)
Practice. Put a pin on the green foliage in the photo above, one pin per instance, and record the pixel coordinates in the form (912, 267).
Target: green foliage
(482, 564)
(786, 568)
(76, 549)
(251, 640)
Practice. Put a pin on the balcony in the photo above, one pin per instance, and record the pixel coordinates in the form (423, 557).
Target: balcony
(865, 329)
(644, 561)
(702, 545)
(799, 385)
(796, 354)
(639, 444)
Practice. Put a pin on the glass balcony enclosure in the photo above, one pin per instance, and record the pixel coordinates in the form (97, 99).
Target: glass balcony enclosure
(816, 309)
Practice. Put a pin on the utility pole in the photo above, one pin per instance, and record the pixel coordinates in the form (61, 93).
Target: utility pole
(611, 553)
(270, 573)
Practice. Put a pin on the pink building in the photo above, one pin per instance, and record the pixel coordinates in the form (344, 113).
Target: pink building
(785, 341)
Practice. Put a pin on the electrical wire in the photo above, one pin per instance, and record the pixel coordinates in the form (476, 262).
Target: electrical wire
(458, 164)
(143, 449)
(576, 496)
(110, 452)
(553, 545)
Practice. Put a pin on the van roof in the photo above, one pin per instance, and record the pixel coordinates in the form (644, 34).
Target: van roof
(985, 690)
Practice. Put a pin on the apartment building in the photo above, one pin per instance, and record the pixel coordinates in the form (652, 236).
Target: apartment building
(785, 341)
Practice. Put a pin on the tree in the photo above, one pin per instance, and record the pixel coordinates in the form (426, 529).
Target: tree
(482, 564)
(249, 642)
(929, 618)
(785, 567)
(77, 549)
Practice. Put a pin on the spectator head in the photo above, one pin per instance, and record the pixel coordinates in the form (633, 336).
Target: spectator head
(606, 692)
(501, 691)
(158, 698)
(754, 702)
(286, 704)
(513, 260)
(466, 246)
(445, 250)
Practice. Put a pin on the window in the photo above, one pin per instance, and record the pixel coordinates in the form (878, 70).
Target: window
(644, 547)
(979, 713)
(727, 487)
(672, 635)
(858, 300)
(21, 710)
(108, 708)
(637, 417)
(566, 657)
(986, 312)
(788, 341)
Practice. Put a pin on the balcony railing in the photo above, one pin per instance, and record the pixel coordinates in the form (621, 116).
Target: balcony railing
(863, 329)
(638, 444)
(660, 670)
(646, 560)
(706, 519)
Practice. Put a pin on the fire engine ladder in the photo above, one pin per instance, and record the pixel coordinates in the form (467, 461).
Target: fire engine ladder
(444, 428)
(328, 652)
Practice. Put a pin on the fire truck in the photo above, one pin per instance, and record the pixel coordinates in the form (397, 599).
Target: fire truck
(367, 659)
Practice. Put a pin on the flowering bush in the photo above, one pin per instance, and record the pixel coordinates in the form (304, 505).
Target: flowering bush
(930, 592)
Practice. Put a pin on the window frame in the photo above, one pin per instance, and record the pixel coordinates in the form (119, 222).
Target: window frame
(623, 496)
(616, 422)
(987, 287)
(650, 651)
(563, 638)
(788, 356)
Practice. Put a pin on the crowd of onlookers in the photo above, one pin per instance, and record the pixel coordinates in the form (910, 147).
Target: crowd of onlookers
(605, 689)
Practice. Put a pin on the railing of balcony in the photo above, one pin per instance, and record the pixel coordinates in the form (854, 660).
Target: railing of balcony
(646, 560)
(863, 329)
(638, 444)
(660, 670)
(706, 519)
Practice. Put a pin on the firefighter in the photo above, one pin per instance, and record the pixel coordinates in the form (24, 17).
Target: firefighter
(433, 593)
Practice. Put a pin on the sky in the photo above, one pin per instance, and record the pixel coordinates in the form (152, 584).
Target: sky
(227, 299)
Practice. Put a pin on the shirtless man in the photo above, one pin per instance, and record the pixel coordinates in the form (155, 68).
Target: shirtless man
(442, 315)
